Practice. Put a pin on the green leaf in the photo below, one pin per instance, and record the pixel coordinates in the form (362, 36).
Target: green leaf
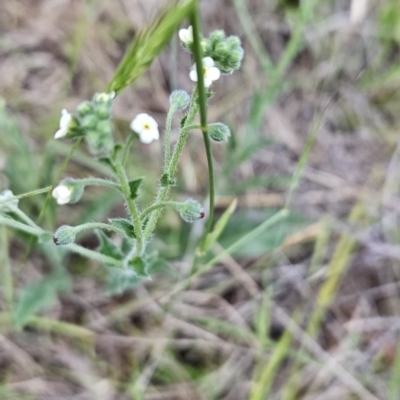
(134, 187)
(38, 296)
(107, 161)
(123, 224)
(120, 280)
(147, 44)
(139, 265)
(107, 247)
(213, 236)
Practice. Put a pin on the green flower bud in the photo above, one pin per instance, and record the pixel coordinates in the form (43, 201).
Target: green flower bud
(191, 210)
(99, 141)
(105, 127)
(64, 235)
(219, 132)
(216, 37)
(103, 98)
(222, 48)
(226, 52)
(103, 111)
(84, 108)
(179, 100)
(89, 122)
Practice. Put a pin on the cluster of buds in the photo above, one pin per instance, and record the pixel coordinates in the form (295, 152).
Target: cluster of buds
(92, 119)
(221, 54)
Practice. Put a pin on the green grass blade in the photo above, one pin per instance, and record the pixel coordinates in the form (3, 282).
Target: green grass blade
(148, 44)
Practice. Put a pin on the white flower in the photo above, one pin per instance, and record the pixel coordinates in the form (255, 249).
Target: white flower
(7, 195)
(64, 123)
(186, 35)
(146, 126)
(210, 72)
(62, 194)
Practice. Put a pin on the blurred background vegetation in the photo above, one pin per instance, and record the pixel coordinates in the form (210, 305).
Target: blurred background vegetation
(308, 308)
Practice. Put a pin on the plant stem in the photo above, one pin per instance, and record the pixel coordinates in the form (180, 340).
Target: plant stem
(137, 226)
(156, 206)
(171, 168)
(94, 255)
(99, 225)
(202, 98)
(28, 194)
(99, 182)
(167, 143)
(20, 226)
(127, 148)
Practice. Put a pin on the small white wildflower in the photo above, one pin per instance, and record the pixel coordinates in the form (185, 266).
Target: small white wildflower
(62, 194)
(7, 195)
(146, 126)
(64, 123)
(211, 73)
(186, 35)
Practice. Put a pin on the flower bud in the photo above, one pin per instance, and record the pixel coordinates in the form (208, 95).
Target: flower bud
(105, 98)
(99, 141)
(216, 37)
(84, 108)
(64, 235)
(226, 52)
(7, 195)
(89, 122)
(219, 132)
(179, 100)
(103, 111)
(191, 210)
(68, 191)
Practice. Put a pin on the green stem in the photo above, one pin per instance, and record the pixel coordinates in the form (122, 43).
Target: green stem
(23, 216)
(94, 255)
(171, 168)
(20, 226)
(99, 225)
(198, 56)
(28, 194)
(167, 144)
(127, 148)
(137, 226)
(99, 182)
(157, 206)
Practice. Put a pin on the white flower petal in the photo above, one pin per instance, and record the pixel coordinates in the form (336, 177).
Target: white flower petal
(60, 133)
(65, 119)
(62, 194)
(207, 82)
(146, 136)
(186, 35)
(193, 75)
(208, 62)
(213, 73)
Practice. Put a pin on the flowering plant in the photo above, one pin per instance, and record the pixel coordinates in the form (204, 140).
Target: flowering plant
(91, 121)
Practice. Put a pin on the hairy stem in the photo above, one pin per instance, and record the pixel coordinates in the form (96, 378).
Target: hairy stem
(171, 168)
(202, 99)
(137, 226)
(157, 206)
